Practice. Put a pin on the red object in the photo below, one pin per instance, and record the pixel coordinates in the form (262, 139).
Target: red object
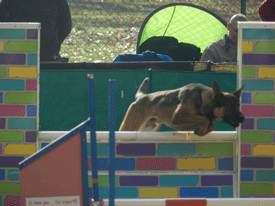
(267, 10)
(95, 181)
(186, 202)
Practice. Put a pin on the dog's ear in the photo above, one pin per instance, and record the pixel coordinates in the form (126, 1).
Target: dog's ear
(217, 91)
(238, 92)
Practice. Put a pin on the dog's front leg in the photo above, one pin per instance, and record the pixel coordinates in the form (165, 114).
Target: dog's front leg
(203, 131)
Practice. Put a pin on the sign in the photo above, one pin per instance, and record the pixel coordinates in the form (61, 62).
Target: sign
(53, 201)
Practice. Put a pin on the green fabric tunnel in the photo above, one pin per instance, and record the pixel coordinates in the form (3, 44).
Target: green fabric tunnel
(186, 22)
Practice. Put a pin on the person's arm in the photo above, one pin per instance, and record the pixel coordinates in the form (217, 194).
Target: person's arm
(267, 10)
(64, 20)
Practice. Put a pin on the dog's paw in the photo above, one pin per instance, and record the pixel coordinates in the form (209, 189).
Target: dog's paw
(200, 132)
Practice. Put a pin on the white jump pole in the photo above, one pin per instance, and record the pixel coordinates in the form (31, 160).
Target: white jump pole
(210, 202)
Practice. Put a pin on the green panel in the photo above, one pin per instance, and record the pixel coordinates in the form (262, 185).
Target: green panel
(256, 189)
(185, 23)
(2, 71)
(248, 72)
(264, 98)
(21, 46)
(21, 98)
(257, 137)
(64, 97)
(215, 149)
(265, 46)
(103, 181)
(9, 188)
(64, 94)
(11, 136)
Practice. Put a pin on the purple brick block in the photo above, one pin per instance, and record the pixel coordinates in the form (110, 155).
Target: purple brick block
(13, 200)
(215, 180)
(136, 149)
(248, 124)
(259, 59)
(32, 34)
(2, 123)
(30, 136)
(12, 59)
(138, 181)
(10, 161)
(257, 162)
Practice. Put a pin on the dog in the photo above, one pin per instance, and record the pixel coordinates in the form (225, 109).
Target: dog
(191, 107)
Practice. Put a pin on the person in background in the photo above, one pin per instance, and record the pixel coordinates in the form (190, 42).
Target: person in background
(225, 49)
(54, 16)
(267, 10)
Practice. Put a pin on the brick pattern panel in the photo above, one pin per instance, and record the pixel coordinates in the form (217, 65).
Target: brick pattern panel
(257, 133)
(19, 71)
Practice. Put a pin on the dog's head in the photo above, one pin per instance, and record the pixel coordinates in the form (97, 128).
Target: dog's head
(227, 106)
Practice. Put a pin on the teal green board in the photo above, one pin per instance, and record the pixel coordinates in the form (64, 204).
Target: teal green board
(64, 94)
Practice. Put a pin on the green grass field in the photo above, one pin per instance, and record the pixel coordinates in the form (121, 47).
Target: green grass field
(102, 31)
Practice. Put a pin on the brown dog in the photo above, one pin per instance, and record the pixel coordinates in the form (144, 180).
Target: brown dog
(183, 109)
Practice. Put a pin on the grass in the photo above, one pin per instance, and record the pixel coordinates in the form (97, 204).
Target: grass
(103, 30)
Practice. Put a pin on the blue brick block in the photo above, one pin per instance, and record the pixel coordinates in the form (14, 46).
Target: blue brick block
(179, 180)
(246, 98)
(1, 97)
(119, 192)
(258, 34)
(217, 180)
(31, 110)
(176, 150)
(206, 192)
(227, 192)
(121, 164)
(14, 85)
(226, 164)
(13, 175)
(2, 174)
(12, 33)
(32, 59)
(268, 124)
(258, 85)
(246, 175)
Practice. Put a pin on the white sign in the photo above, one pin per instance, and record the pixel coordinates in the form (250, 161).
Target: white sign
(53, 201)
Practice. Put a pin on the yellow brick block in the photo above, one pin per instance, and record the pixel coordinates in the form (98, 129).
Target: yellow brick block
(1, 46)
(266, 72)
(158, 192)
(266, 150)
(20, 149)
(23, 72)
(247, 46)
(196, 164)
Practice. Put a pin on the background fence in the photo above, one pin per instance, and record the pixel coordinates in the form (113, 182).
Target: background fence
(103, 29)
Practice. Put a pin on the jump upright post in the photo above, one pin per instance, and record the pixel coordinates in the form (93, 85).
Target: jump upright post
(112, 95)
(93, 137)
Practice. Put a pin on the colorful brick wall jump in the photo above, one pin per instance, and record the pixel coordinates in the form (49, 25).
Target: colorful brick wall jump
(19, 73)
(158, 170)
(257, 72)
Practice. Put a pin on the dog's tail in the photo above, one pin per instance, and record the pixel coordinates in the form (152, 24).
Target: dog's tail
(142, 88)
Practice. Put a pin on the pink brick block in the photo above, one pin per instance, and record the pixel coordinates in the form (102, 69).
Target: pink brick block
(12, 110)
(12, 200)
(258, 111)
(156, 163)
(31, 85)
(245, 149)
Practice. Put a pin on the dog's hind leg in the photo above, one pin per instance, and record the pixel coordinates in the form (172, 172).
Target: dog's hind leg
(133, 119)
